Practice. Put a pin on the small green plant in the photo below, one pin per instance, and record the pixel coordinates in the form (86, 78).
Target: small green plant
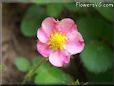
(45, 74)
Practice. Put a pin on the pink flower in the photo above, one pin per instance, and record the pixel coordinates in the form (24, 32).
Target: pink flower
(58, 40)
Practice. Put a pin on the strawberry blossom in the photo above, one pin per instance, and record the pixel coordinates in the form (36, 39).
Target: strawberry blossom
(58, 40)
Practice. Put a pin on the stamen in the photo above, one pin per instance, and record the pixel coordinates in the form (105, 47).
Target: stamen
(57, 40)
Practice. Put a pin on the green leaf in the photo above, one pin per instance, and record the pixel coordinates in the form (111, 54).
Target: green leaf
(47, 74)
(106, 12)
(54, 10)
(101, 77)
(32, 20)
(94, 28)
(22, 64)
(97, 57)
(87, 27)
(36, 60)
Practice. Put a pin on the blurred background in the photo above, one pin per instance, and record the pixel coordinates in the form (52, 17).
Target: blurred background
(20, 22)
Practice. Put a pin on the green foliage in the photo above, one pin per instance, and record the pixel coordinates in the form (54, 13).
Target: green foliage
(54, 10)
(95, 28)
(51, 75)
(32, 20)
(47, 74)
(36, 60)
(106, 12)
(87, 27)
(22, 64)
(102, 77)
(97, 56)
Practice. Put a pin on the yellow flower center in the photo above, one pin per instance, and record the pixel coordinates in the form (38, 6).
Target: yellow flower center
(57, 40)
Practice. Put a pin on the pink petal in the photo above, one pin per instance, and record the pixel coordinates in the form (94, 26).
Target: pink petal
(43, 49)
(42, 36)
(66, 25)
(75, 42)
(59, 58)
(48, 25)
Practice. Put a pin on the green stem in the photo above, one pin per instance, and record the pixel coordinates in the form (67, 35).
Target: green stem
(31, 72)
